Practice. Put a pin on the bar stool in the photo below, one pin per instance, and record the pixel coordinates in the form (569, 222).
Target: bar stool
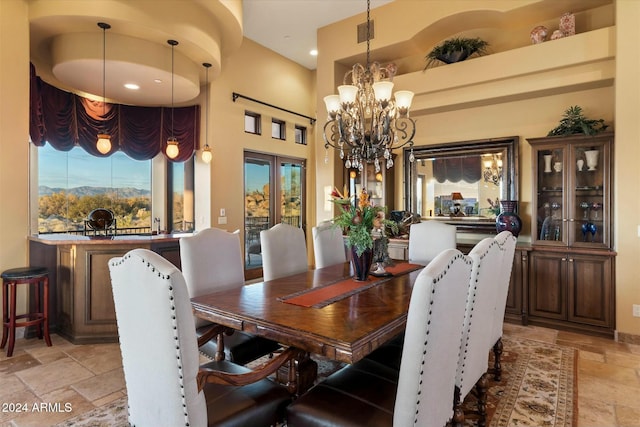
(10, 279)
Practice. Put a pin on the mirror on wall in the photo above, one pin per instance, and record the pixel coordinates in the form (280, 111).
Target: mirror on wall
(462, 183)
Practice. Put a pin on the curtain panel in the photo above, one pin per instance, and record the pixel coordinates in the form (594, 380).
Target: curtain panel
(65, 120)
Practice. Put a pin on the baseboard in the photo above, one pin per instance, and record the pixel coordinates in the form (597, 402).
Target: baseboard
(628, 338)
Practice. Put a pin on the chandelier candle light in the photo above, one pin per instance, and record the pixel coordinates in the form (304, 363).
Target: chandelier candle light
(365, 124)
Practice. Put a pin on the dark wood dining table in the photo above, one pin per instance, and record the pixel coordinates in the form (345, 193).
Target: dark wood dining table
(345, 328)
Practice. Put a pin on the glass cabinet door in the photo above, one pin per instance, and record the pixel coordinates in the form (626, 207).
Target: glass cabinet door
(589, 203)
(572, 203)
(551, 184)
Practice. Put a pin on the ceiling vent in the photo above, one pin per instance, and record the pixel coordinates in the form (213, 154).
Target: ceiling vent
(362, 32)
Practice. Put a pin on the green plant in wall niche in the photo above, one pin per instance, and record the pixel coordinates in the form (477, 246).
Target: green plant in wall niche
(455, 50)
(574, 122)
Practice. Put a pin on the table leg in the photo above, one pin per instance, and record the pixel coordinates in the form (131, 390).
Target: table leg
(299, 374)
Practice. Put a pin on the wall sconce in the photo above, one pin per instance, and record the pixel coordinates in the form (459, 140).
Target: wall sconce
(492, 170)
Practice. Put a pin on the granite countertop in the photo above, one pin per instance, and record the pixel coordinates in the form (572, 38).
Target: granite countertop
(67, 239)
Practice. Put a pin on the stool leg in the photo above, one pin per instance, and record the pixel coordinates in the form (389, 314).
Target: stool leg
(5, 313)
(45, 311)
(12, 318)
(38, 307)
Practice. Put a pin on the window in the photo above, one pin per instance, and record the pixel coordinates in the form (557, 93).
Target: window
(180, 197)
(301, 135)
(72, 184)
(252, 123)
(278, 129)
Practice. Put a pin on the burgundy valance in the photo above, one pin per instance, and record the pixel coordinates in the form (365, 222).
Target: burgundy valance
(455, 169)
(65, 120)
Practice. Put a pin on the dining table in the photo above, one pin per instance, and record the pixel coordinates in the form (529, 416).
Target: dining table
(320, 311)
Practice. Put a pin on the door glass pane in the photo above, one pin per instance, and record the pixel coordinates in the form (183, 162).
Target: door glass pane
(550, 195)
(291, 193)
(589, 193)
(257, 207)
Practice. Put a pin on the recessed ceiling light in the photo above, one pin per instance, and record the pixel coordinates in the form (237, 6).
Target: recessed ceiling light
(313, 52)
(157, 81)
(132, 86)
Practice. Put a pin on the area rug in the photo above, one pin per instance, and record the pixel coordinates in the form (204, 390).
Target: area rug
(538, 388)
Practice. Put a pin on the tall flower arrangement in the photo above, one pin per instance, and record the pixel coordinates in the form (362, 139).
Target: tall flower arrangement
(358, 219)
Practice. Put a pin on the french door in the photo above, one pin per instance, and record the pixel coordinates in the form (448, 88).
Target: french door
(274, 189)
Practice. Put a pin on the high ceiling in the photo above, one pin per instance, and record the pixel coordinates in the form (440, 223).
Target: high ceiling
(290, 25)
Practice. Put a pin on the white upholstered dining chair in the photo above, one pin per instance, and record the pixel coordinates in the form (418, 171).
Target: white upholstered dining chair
(284, 251)
(328, 245)
(212, 261)
(428, 238)
(371, 394)
(165, 384)
(478, 321)
(507, 242)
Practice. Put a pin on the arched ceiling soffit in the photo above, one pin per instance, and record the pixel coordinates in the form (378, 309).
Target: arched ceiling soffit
(66, 46)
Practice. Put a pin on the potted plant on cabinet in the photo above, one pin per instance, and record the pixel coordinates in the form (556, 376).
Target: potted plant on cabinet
(455, 50)
(574, 122)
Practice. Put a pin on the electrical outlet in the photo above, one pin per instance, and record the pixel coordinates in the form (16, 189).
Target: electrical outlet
(222, 220)
(223, 212)
(636, 310)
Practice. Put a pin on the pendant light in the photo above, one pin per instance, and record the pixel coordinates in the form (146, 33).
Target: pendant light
(103, 144)
(172, 149)
(207, 155)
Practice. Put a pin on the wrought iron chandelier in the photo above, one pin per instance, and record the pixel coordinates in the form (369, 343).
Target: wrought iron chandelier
(364, 122)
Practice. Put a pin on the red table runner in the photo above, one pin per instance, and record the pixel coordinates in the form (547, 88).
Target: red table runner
(322, 296)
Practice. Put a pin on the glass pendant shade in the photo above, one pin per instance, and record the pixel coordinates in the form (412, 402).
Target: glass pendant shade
(404, 99)
(207, 155)
(382, 90)
(104, 143)
(332, 102)
(172, 149)
(347, 93)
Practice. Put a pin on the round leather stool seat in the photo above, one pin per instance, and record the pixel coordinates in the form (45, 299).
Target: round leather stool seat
(24, 273)
(38, 276)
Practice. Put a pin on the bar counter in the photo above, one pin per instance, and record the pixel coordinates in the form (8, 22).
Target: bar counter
(80, 301)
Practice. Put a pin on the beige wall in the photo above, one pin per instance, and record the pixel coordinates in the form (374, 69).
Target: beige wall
(261, 74)
(627, 159)
(14, 135)
(519, 90)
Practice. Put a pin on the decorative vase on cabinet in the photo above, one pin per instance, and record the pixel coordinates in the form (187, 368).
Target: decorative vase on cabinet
(508, 219)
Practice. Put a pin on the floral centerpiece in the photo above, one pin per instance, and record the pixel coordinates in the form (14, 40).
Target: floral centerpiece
(359, 219)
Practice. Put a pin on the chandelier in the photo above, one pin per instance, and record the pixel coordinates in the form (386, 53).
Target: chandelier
(365, 124)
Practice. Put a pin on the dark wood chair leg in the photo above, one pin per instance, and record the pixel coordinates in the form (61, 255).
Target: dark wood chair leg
(481, 386)
(12, 318)
(497, 365)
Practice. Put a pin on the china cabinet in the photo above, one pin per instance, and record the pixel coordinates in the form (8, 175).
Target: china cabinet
(571, 265)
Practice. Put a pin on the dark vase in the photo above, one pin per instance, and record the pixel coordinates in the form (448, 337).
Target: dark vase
(508, 219)
(361, 263)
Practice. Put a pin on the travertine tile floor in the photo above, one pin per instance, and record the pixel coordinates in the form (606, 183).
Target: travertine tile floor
(72, 379)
